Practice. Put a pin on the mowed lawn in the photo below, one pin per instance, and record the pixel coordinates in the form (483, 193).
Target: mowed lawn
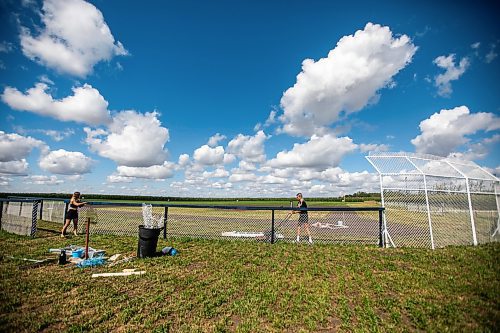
(246, 286)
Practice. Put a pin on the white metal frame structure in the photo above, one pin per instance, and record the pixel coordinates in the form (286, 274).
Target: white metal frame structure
(433, 201)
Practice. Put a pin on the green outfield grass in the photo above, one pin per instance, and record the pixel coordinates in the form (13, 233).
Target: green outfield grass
(231, 286)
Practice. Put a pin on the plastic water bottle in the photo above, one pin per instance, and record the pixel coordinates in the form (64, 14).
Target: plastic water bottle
(169, 251)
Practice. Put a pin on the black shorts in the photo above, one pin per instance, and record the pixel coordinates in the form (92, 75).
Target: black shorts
(303, 219)
(72, 214)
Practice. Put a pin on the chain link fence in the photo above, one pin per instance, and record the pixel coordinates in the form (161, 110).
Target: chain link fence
(19, 216)
(53, 210)
(485, 217)
(435, 202)
(328, 225)
(344, 225)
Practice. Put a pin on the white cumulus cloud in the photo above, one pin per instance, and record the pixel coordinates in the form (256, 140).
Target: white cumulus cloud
(242, 177)
(6, 47)
(249, 148)
(44, 180)
(119, 179)
(478, 150)
(16, 167)
(15, 147)
(214, 140)
(86, 105)
(184, 160)
(452, 72)
(345, 81)
(367, 147)
(446, 130)
(66, 162)
(246, 166)
(217, 173)
(132, 139)
(5, 181)
(74, 38)
(320, 152)
(166, 170)
(492, 54)
(56, 135)
(207, 155)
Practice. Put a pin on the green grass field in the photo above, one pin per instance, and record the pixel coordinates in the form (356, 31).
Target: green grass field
(233, 286)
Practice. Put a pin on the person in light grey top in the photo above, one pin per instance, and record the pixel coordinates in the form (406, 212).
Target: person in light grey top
(303, 217)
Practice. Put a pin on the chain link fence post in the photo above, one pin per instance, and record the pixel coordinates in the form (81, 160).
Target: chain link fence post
(380, 229)
(34, 216)
(272, 227)
(165, 219)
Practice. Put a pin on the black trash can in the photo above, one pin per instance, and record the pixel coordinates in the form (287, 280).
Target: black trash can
(148, 239)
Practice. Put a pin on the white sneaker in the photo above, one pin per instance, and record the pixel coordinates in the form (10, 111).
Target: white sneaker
(75, 233)
(62, 235)
(310, 242)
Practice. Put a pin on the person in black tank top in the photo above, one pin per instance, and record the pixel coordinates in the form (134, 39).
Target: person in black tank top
(303, 217)
(72, 213)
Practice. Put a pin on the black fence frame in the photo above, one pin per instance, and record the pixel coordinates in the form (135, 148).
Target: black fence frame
(380, 210)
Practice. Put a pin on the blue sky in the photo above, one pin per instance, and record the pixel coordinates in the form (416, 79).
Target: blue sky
(245, 98)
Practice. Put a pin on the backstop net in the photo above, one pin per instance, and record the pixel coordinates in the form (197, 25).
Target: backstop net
(432, 201)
